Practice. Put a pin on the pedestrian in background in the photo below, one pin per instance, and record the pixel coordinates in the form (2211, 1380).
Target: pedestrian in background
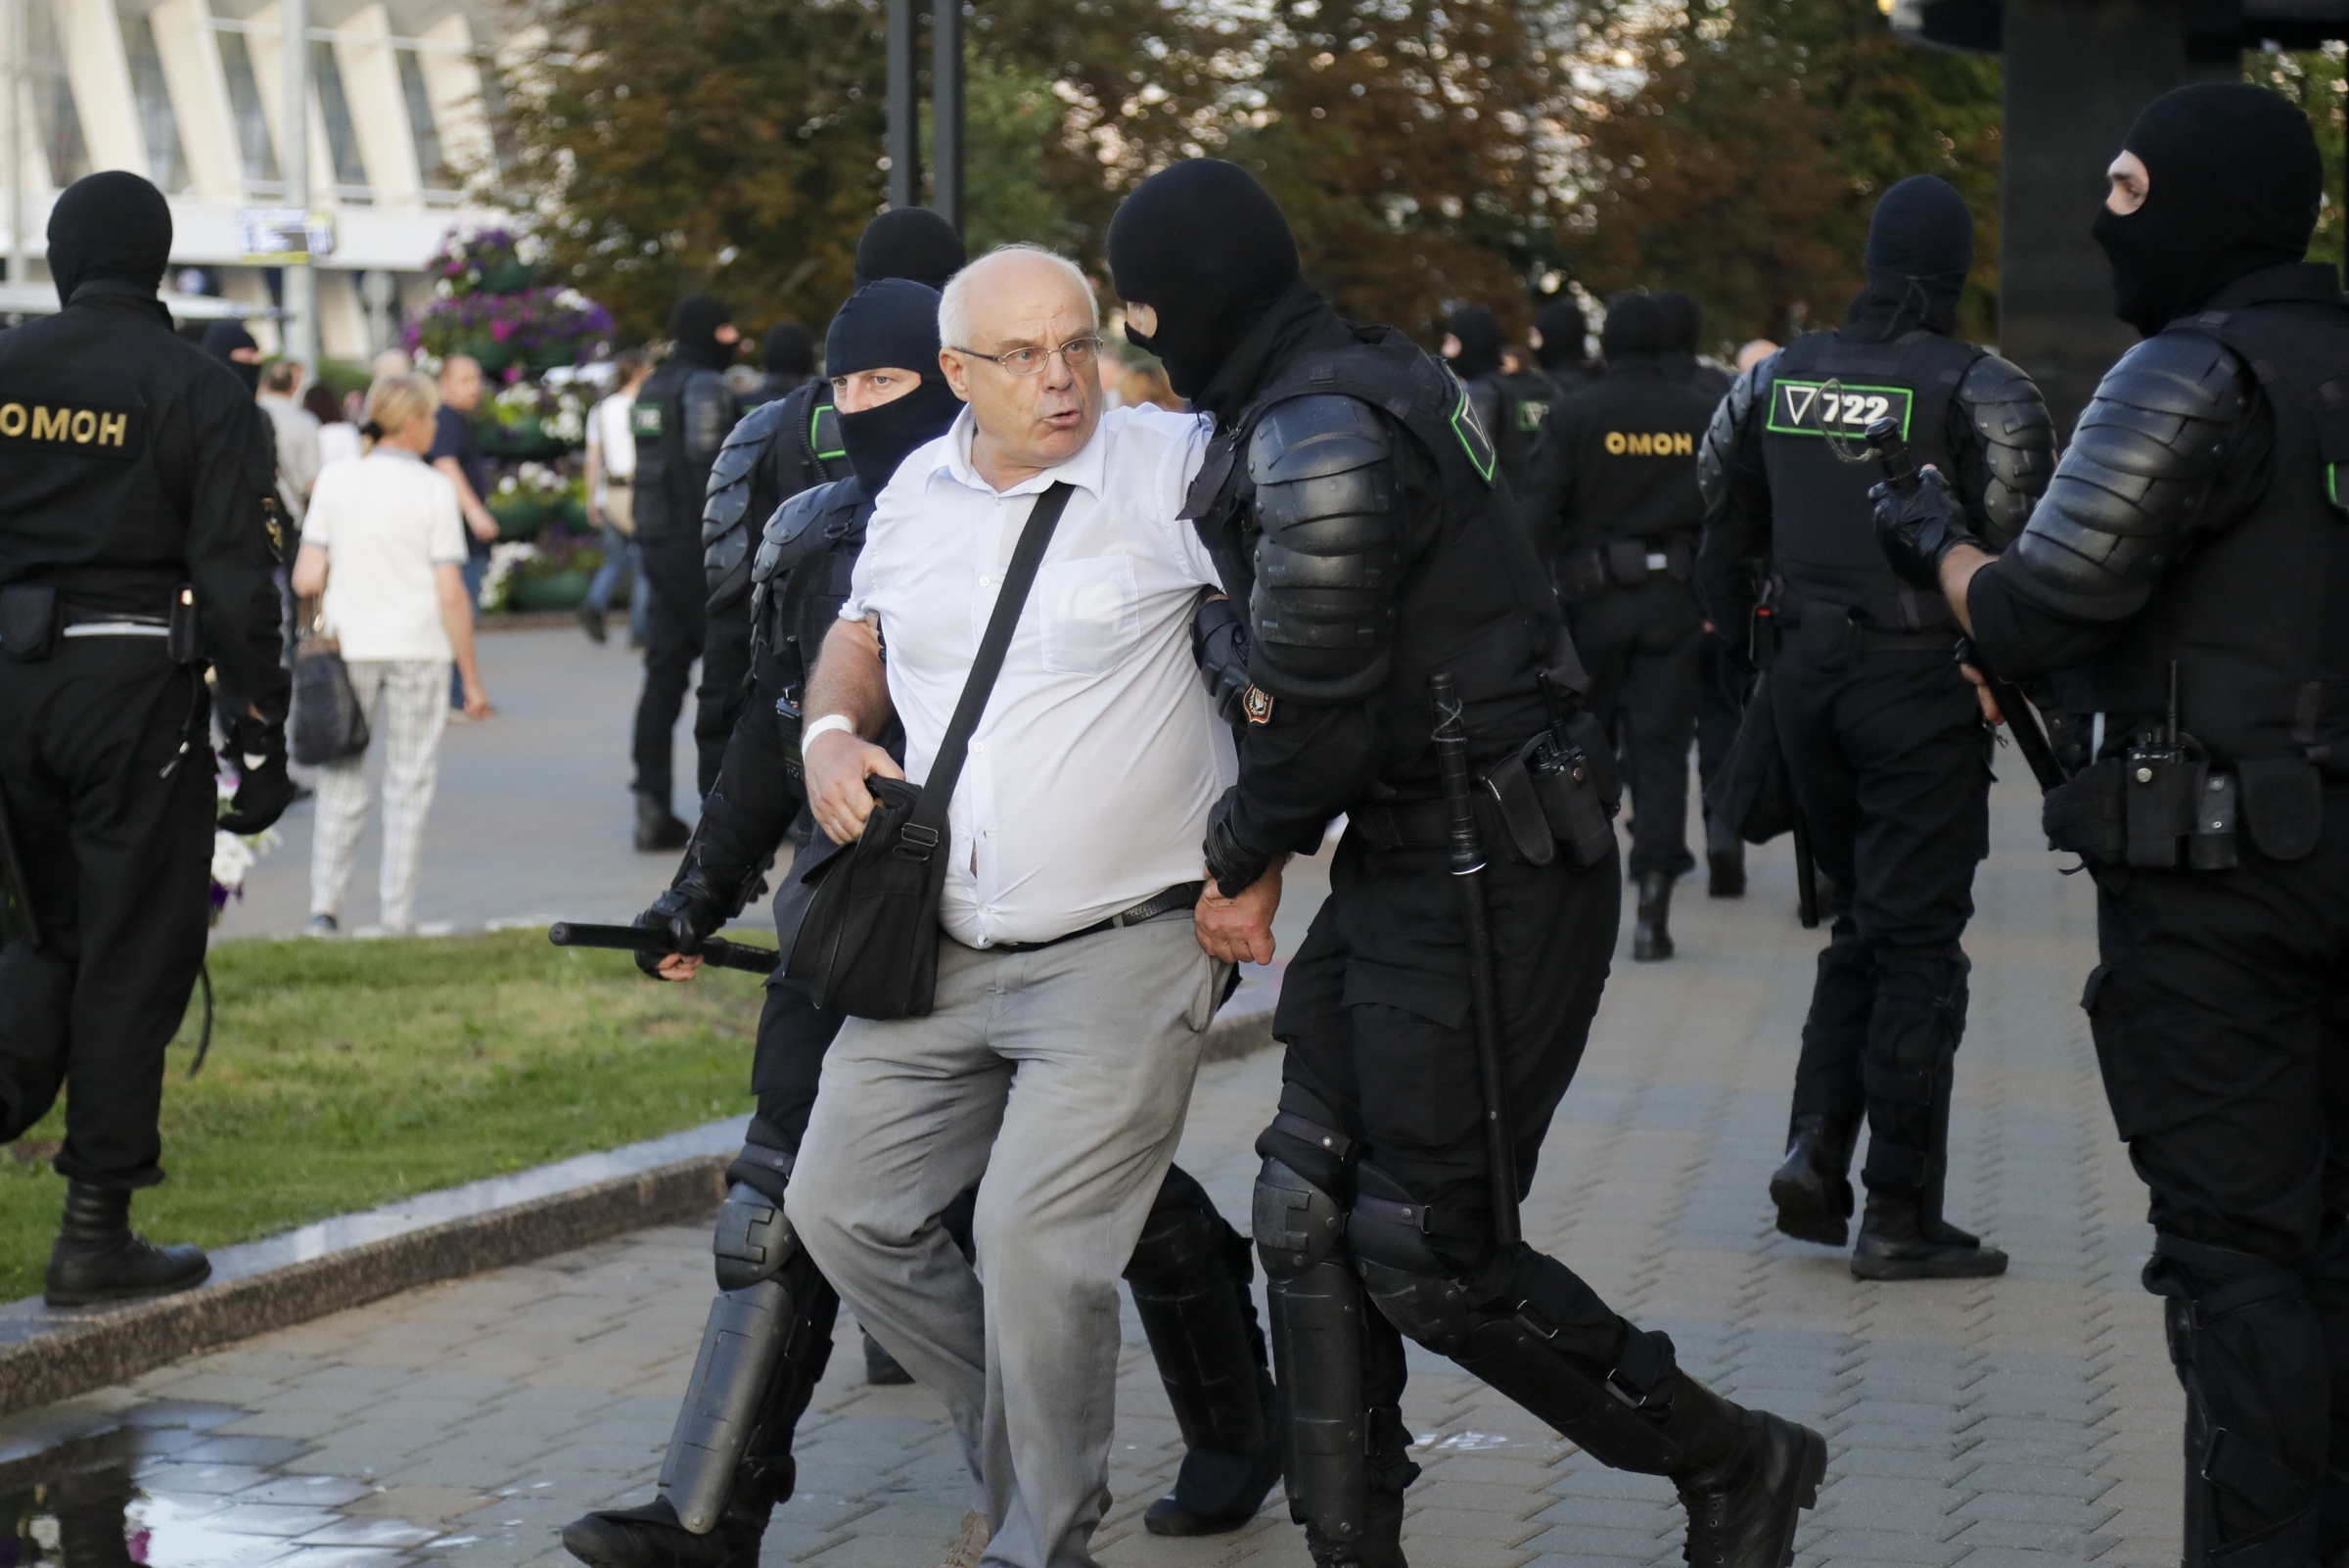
(457, 453)
(337, 432)
(611, 499)
(296, 429)
(383, 551)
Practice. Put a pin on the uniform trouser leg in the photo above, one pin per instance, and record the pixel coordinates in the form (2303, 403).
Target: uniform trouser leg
(672, 570)
(717, 702)
(1720, 709)
(2221, 1018)
(117, 855)
(1643, 648)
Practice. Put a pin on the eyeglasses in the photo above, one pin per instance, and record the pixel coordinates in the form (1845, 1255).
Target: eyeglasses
(1078, 353)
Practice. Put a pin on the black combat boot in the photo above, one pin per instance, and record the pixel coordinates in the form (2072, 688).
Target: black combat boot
(1813, 1189)
(881, 1368)
(650, 1537)
(1651, 939)
(1899, 1239)
(1725, 869)
(1751, 1476)
(98, 1258)
(657, 827)
(1216, 1492)
(1380, 1545)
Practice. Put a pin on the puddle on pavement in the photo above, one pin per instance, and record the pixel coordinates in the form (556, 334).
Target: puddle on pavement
(161, 1487)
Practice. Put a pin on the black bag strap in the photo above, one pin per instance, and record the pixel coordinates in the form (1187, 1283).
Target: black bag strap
(937, 790)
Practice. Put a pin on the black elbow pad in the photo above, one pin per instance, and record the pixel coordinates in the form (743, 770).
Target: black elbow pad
(726, 504)
(2017, 436)
(1327, 555)
(2139, 472)
(1719, 449)
(708, 415)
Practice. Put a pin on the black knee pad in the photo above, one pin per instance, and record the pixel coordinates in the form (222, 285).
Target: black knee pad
(1297, 1223)
(1390, 1226)
(2245, 1339)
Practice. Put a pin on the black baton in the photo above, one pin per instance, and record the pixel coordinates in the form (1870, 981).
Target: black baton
(1901, 473)
(1468, 873)
(17, 918)
(1806, 872)
(715, 950)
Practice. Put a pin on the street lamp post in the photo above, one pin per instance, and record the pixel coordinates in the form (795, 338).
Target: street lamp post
(298, 320)
(19, 41)
(903, 137)
(946, 110)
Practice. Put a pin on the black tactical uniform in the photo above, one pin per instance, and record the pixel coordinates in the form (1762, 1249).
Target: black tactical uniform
(1560, 339)
(2193, 541)
(1614, 514)
(1883, 739)
(786, 445)
(1509, 404)
(1348, 500)
(139, 531)
(681, 418)
(729, 1461)
(787, 362)
(1720, 676)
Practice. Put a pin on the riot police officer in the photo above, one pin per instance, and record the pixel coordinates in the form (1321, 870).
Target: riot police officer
(1560, 342)
(1190, 1270)
(1349, 501)
(787, 362)
(780, 449)
(1509, 398)
(2184, 584)
(1885, 746)
(1614, 512)
(681, 417)
(140, 531)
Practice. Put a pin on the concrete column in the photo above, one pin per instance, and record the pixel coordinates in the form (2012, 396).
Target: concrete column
(452, 80)
(379, 109)
(92, 40)
(208, 122)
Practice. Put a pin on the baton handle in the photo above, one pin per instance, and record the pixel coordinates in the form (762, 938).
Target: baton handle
(749, 957)
(1466, 849)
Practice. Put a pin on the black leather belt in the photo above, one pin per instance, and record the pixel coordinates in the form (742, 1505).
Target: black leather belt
(1424, 824)
(1182, 896)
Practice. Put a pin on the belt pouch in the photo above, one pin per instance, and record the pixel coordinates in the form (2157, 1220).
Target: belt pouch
(2083, 815)
(1526, 829)
(1626, 562)
(2211, 847)
(1582, 575)
(180, 640)
(2158, 796)
(1830, 637)
(28, 620)
(1565, 783)
(2283, 805)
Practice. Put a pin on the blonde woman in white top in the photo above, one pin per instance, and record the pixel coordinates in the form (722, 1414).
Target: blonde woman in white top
(383, 547)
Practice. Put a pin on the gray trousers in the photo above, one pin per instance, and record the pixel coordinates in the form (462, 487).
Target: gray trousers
(1057, 1079)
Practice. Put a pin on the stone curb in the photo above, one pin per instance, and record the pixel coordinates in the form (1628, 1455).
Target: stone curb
(46, 1356)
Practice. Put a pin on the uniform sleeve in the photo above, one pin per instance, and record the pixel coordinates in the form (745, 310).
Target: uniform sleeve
(236, 539)
(445, 530)
(2177, 443)
(1735, 553)
(1549, 486)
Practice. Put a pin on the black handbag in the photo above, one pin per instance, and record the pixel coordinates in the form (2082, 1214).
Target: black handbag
(868, 942)
(328, 724)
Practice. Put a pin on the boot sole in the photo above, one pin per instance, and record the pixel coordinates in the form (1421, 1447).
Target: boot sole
(1988, 1265)
(1810, 1471)
(115, 1298)
(1803, 1216)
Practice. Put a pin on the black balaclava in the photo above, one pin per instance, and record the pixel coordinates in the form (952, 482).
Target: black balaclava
(1563, 329)
(787, 351)
(693, 324)
(1479, 332)
(1920, 245)
(1684, 318)
(222, 339)
(2233, 181)
(111, 225)
(1637, 324)
(1206, 246)
(888, 325)
(909, 242)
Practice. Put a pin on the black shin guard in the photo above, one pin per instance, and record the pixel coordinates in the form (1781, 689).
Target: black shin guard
(1318, 1346)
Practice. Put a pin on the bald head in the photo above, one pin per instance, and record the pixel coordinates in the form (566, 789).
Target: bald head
(1013, 311)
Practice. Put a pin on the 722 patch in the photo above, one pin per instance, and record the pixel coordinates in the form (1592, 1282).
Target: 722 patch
(1830, 407)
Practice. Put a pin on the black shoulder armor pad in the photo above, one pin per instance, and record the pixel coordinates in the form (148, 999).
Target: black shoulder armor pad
(2140, 465)
(1326, 558)
(2018, 441)
(1728, 424)
(798, 529)
(735, 473)
(710, 407)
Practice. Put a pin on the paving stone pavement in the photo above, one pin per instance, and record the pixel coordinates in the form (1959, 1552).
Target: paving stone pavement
(2022, 1422)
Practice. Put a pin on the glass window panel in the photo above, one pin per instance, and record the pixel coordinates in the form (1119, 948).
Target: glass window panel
(254, 142)
(341, 140)
(165, 164)
(54, 111)
(432, 165)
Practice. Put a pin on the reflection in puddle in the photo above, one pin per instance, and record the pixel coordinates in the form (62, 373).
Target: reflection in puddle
(160, 1487)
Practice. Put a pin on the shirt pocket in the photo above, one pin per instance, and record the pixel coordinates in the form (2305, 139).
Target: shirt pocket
(1091, 613)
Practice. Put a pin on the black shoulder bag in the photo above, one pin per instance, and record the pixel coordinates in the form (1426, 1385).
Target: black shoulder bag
(868, 943)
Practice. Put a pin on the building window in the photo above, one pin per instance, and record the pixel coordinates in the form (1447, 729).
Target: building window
(341, 140)
(165, 165)
(432, 164)
(262, 174)
(54, 111)
(504, 151)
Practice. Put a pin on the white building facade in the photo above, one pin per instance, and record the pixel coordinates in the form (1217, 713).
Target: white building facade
(190, 93)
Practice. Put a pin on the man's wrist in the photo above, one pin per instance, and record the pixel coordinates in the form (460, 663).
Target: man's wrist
(827, 725)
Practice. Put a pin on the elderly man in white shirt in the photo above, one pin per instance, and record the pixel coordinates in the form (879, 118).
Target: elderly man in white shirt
(1056, 1065)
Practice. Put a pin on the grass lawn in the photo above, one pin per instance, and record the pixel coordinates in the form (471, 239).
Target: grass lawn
(346, 1075)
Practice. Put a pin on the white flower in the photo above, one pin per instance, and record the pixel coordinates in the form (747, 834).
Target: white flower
(497, 580)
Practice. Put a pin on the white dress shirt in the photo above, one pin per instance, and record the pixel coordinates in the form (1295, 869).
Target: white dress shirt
(1090, 777)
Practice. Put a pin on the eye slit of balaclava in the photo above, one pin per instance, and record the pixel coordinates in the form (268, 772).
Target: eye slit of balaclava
(892, 324)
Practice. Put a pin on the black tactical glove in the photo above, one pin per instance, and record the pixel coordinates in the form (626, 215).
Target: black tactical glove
(1219, 642)
(685, 914)
(1232, 864)
(263, 787)
(1917, 529)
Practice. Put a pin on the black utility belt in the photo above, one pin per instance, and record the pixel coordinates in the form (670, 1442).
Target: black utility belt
(32, 623)
(1558, 792)
(1591, 571)
(1182, 896)
(2160, 807)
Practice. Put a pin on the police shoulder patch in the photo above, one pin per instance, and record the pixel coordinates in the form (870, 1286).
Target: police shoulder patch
(84, 429)
(1258, 702)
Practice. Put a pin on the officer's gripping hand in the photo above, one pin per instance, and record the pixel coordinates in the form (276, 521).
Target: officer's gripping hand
(1917, 529)
(264, 789)
(685, 920)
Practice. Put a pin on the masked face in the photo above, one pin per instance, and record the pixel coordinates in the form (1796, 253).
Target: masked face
(1203, 249)
(885, 382)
